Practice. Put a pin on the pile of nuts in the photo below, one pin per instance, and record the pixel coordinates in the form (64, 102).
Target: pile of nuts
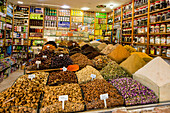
(16, 109)
(51, 103)
(84, 75)
(24, 92)
(81, 60)
(92, 91)
(62, 77)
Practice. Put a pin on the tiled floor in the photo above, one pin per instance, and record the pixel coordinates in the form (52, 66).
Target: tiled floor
(10, 80)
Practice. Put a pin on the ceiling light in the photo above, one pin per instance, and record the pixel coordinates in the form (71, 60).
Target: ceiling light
(103, 10)
(85, 8)
(65, 6)
(111, 6)
(20, 2)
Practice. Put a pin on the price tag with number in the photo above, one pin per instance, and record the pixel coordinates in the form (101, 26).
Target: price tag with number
(38, 63)
(104, 97)
(63, 98)
(44, 56)
(73, 44)
(31, 76)
(64, 69)
(93, 76)
(61, 55)
(48, 47)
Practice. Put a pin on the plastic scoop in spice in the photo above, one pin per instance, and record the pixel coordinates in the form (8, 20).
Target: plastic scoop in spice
(72, 68)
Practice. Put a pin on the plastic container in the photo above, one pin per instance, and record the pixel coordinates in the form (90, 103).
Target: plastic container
(153, 18)
(157, 28)
(152, 40)
(158, 39)
(152, 7)
(159, 16)
(139, 22)
(158, 51)
(152, 51)
(163, 40)
(164, 51)
(163, 28)
(142, 39)
(168, 52)
(163, 4)
(157, 5)
(152, 29)
(163, 16)
(168, 28)
(168, 3)
(168, 39)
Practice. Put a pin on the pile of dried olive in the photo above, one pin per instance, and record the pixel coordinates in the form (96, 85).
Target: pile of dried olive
(51, 103)
(24, 92)
(92, 91)
(81, 60)
(62, 77)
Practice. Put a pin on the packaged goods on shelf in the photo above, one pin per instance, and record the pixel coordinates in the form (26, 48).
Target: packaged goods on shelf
(84, 75)
(113, 71)
(92, 91)
(81, 60)
(50, 102)
(119, 54)
(62, 77)
(133, 63)
(134, 92)
(155, 75)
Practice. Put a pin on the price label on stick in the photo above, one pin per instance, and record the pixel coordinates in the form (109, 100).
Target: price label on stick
(61, 55)
(64, 69)
(38, 63)
(73, 44)
(104, 97)
(31, 76)
(44, 56)
(93, 76)
(48, 47)
(63, 98)
(57, 44)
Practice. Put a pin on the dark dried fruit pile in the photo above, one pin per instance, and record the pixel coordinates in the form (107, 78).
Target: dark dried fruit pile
(62, 77)
(92, 91)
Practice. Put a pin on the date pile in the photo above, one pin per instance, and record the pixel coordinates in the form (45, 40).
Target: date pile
(92, 91)
(62, 77)
(51, 103)
(24, 92)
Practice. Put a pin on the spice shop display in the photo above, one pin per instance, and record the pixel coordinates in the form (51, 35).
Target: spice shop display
(81, 60)
(72, 44)
(130, 48)
(62, 77)
(75, 50)
(101, 61)
(108, 49)
(113, 71)
(119, 54)
(133, 63)
(144, 56)
(17, 109)
(134, 92)
(94, 89)
(61, 50)
(101, 46)
(87, 74)
(52, 103)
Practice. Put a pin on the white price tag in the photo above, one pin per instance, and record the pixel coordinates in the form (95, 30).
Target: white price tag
(63, 98)
(38, 63)
(61, 55)
(57, 44)
(64, 69)
(44, 56)
(48, 46)
(104, 97)
(93, 76)
(73, 44)
(31, 76)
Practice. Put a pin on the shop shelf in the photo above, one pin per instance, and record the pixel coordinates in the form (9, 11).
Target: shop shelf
(127, 18)
(126, 34)
(117, 21)
(127, 42)
(159, 45)
(160, 56)
(140, 43)
(160, 34)
(140, 34)
(137, 16)
(36, 27)
(161, 22)
(160, 10)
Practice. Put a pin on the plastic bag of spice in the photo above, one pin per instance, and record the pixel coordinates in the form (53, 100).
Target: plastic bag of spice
(61, 77)
(85, 74)
(119, 54)
(81, 60)
(113, 71)
(92, 91)
(51, 103)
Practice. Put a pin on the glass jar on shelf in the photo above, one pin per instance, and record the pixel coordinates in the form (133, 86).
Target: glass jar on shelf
(140, 10)
(163, 16)
(168, 2)
(124, 15)
(152, 50)
(158, 51)
(163, 28)
(136, 30)
(168, 52)
(153, 18)
(139, 22)
(146, 39)
(163, 4)
(168, 40)
(143, 29)
(146, 29)
(135, 39)
(144, 10)
(152, 7)
(145, 21)
(157, 5)
(168, 15)
(135, 22)
(163, 40)
(152, 39)
(152, 29)
(159, 17)
(157, 28)
(168, 28)
(158, 39)
(164, 49)
(142, 39)
(142, 20)
(136, 12)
